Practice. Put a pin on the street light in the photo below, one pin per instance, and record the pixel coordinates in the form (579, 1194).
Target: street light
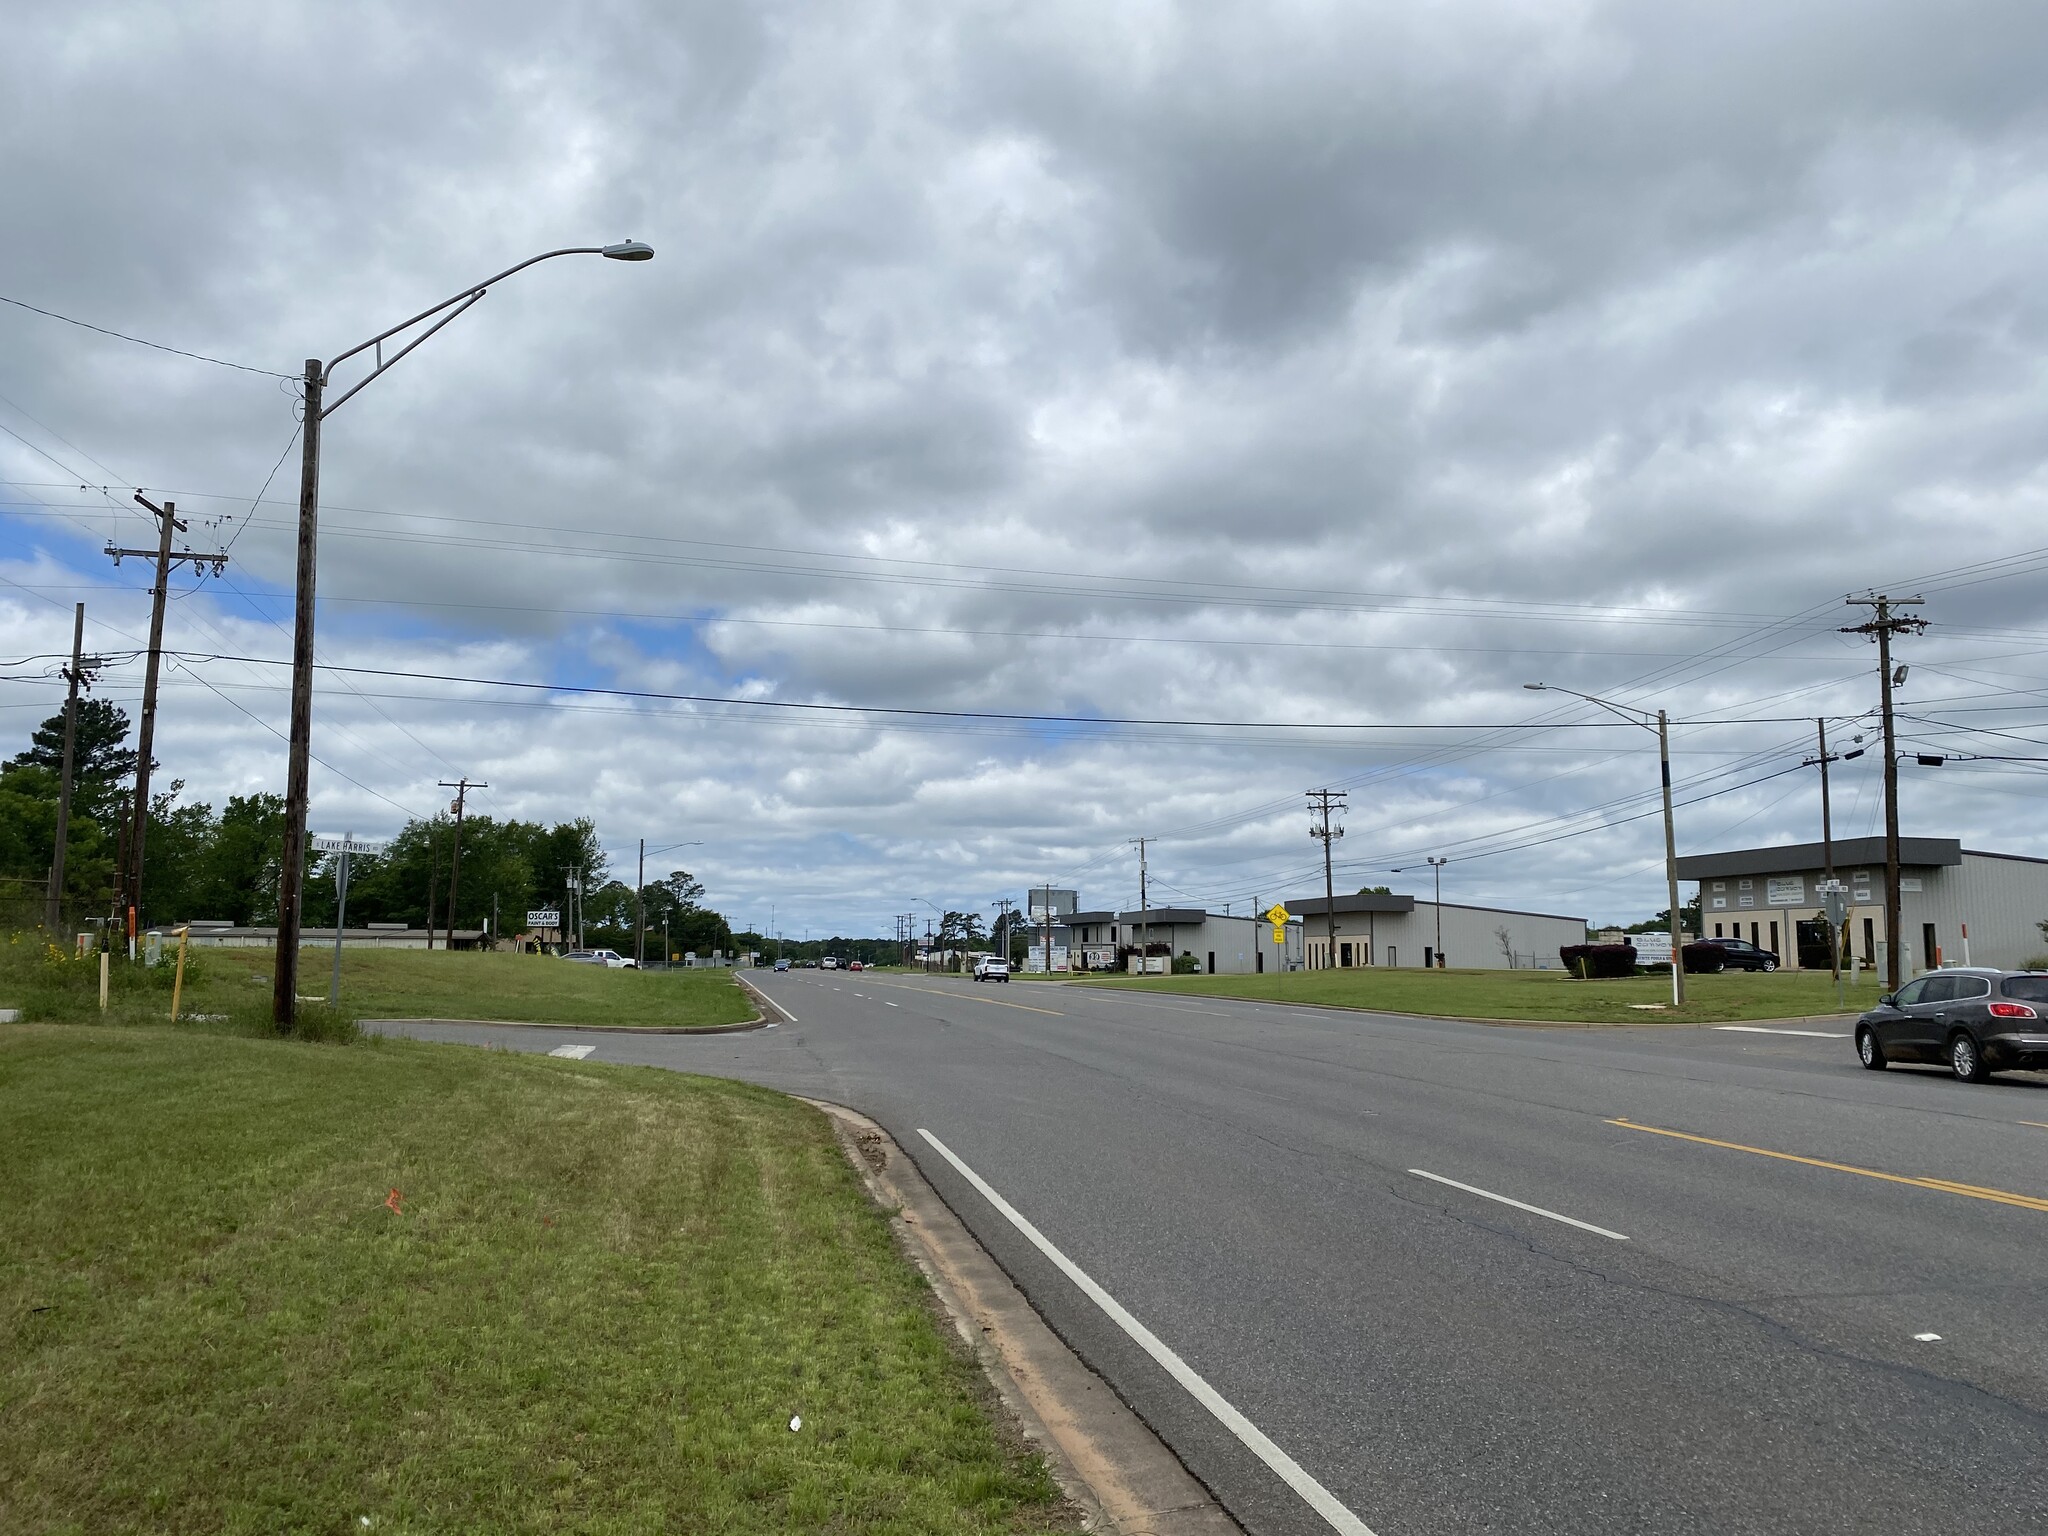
(1629, 712)
(284, 989)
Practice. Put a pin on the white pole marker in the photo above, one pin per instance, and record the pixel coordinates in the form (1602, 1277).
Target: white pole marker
(1285, 1467)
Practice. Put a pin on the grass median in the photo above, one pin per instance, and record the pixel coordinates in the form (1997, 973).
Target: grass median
(234, 985)
(1535, 996)
(257, 1285)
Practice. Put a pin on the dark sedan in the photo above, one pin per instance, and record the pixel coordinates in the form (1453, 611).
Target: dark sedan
(1741, 955)
(1976, 1021)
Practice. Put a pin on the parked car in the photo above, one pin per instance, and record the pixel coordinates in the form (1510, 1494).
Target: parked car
(782, 965)
(610, 959)
(989, 968)
(1977, 1020)
(1741, 955)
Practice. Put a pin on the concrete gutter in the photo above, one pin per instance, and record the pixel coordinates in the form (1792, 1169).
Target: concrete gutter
(1104, 1456)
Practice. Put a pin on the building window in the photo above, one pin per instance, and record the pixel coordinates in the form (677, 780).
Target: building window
(1774, 936)
(1930, 955)
(1869, 942)
(1717, 932)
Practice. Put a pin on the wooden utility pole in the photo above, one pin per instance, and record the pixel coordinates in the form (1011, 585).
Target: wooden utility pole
(166, 560)
(1144, 910)
(462, 787)
(80, 672)
(640, 910)
(1882, 625)
(1322, 802)
(299, 749)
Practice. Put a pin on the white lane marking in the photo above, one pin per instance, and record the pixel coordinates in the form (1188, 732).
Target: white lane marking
(1289, 1471)
(1927, 1338)
(1757, 1029)
(573, 1052)
(1533, 1210)
(887, 1004)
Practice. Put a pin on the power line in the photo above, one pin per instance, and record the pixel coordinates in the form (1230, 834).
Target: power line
(218, 362)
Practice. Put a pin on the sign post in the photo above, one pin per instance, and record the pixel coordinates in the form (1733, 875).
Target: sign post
(342, 847)
(1277, 915)
(1834, 905)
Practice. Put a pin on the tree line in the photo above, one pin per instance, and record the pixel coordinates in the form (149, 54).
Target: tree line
(203, 862)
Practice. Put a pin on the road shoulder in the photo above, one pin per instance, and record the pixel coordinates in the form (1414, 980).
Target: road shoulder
(1105, 1457)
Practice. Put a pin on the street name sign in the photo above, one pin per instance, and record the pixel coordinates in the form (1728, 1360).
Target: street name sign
(322, 844)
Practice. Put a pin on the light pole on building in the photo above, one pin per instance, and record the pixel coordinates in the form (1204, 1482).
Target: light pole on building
(1643, 717)
(291, 878)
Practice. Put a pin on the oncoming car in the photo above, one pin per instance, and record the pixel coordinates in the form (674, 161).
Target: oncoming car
(1974, 1020)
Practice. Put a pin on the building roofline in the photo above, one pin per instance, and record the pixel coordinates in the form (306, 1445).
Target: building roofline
(1790, 858)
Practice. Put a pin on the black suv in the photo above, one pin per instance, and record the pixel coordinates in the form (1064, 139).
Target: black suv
(1977, 1021)
(1745, 956)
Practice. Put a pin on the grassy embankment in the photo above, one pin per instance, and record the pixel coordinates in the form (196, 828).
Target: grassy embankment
(1535, 996)
(375, 984)
(595, 1302)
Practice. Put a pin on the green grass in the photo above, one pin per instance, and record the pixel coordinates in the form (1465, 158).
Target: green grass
(1535, 996)
(603, 1294)
(234, 984)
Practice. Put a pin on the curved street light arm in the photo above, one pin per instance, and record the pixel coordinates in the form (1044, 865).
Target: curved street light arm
(464, 299)
(1627, 712)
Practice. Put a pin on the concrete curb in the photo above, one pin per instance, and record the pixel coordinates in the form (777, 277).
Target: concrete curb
(1123, 1477)
(1650, 1021)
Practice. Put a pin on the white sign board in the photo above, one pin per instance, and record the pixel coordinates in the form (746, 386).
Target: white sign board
(326, 844)
(544, 919)
(1652, 948)
(1785, 890)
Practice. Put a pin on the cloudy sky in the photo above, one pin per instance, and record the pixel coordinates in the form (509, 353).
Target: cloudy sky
(1325, 370)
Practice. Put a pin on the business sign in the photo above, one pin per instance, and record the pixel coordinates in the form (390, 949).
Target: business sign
(1652, 948)
(551, 918)
(1785, 890)
(325, 844)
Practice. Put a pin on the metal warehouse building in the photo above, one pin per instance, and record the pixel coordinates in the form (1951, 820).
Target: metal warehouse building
(1399, 930)
(1957, 905)
(1221, 945)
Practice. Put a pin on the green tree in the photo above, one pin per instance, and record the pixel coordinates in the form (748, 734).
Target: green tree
(102, 761)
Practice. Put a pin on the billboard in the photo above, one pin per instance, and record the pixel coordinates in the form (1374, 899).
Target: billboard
(1050, 904)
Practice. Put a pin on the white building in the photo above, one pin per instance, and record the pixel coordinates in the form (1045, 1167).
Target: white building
(1400, 930)
(1957, 905)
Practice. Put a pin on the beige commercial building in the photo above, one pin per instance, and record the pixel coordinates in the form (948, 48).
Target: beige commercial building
(1957, 905)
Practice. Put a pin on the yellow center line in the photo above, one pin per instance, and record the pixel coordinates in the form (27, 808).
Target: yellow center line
(1945, 1186)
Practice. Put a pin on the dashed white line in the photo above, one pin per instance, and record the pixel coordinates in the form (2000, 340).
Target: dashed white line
(1758, 1029)
(573, 1052)
(1533, 1210)
(887, 1004)
(1283, 1466)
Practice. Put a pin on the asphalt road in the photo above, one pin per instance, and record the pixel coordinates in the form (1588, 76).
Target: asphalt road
(1741, 1357)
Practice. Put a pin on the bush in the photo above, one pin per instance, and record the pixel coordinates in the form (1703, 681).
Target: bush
(2038, 963)
(1704, 958)
(1185, 964)
(1586, 961)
